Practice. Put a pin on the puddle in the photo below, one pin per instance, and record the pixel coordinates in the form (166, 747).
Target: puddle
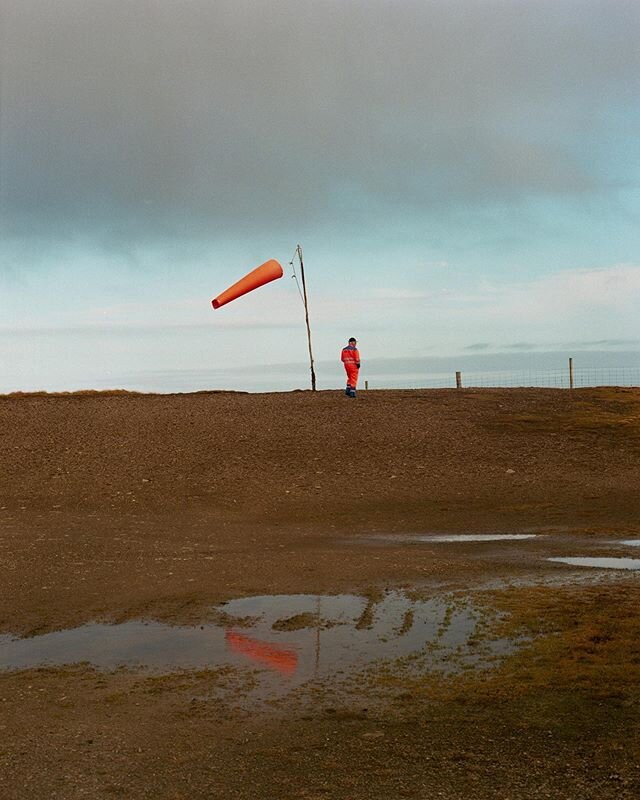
(602, 563)
(631, 542)
(461, 538)
(288, 639)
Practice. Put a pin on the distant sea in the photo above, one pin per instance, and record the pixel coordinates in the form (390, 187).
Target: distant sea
(592, 367)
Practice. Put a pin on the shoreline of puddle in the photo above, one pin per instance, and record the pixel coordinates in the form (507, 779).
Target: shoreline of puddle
(287, 641)
(602, 562)
(283, 641)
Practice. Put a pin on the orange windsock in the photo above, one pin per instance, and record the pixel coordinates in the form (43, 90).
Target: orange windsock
(269, 271)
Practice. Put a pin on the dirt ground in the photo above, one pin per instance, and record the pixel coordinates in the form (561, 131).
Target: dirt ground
(119, 507)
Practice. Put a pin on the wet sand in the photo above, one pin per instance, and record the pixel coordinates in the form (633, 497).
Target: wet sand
(131, 509)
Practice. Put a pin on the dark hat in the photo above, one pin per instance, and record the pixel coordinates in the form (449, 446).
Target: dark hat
(353, 339)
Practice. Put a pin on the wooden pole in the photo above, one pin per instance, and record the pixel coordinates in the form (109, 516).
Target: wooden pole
(571, 373)
(458, 380)
(366, 384)
(306, 317)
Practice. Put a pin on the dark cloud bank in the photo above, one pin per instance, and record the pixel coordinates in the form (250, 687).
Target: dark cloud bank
(140, 119)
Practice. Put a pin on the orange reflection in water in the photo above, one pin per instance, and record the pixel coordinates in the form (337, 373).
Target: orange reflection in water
(270, 655)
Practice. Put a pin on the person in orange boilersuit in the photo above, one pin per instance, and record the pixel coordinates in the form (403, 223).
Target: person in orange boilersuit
(351, 360)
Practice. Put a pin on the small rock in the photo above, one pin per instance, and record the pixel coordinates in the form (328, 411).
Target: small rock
(511, 472)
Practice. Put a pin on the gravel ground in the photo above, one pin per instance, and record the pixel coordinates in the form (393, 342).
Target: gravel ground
(117, 507)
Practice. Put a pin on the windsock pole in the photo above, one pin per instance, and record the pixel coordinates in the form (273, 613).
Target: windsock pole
(306, 316)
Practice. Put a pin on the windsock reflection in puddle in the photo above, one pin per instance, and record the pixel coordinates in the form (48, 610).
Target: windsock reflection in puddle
(270, 655)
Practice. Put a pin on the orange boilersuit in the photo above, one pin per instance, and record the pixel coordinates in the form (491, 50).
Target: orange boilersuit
(351, 360)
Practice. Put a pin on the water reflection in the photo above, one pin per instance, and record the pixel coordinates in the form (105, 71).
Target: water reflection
(460, 538)
(479, 537)
(282, 659)
(293, 638)
(602, 563)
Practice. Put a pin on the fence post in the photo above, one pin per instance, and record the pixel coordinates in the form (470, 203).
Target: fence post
(571, 373)
(458, 380)
(366, 384)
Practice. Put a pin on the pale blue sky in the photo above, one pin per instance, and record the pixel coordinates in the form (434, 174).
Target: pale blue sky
(463, 176)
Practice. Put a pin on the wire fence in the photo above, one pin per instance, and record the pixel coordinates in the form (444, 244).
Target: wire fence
(544, 379)
(559, 378)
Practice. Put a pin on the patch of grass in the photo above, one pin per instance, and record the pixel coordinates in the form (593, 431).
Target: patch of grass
(296, 622)
(583, 645)
(78, 393)
(605, 411)
(91, 393)
(583, 638)
(373, 597)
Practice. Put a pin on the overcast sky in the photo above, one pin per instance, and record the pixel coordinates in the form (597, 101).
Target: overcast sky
(462, 174)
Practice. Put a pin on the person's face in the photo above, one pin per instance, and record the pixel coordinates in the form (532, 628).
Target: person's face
(352, 342)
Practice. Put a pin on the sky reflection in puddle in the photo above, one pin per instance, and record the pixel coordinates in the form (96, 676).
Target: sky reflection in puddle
(602, 563)
(462, 538)
(292, 637)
